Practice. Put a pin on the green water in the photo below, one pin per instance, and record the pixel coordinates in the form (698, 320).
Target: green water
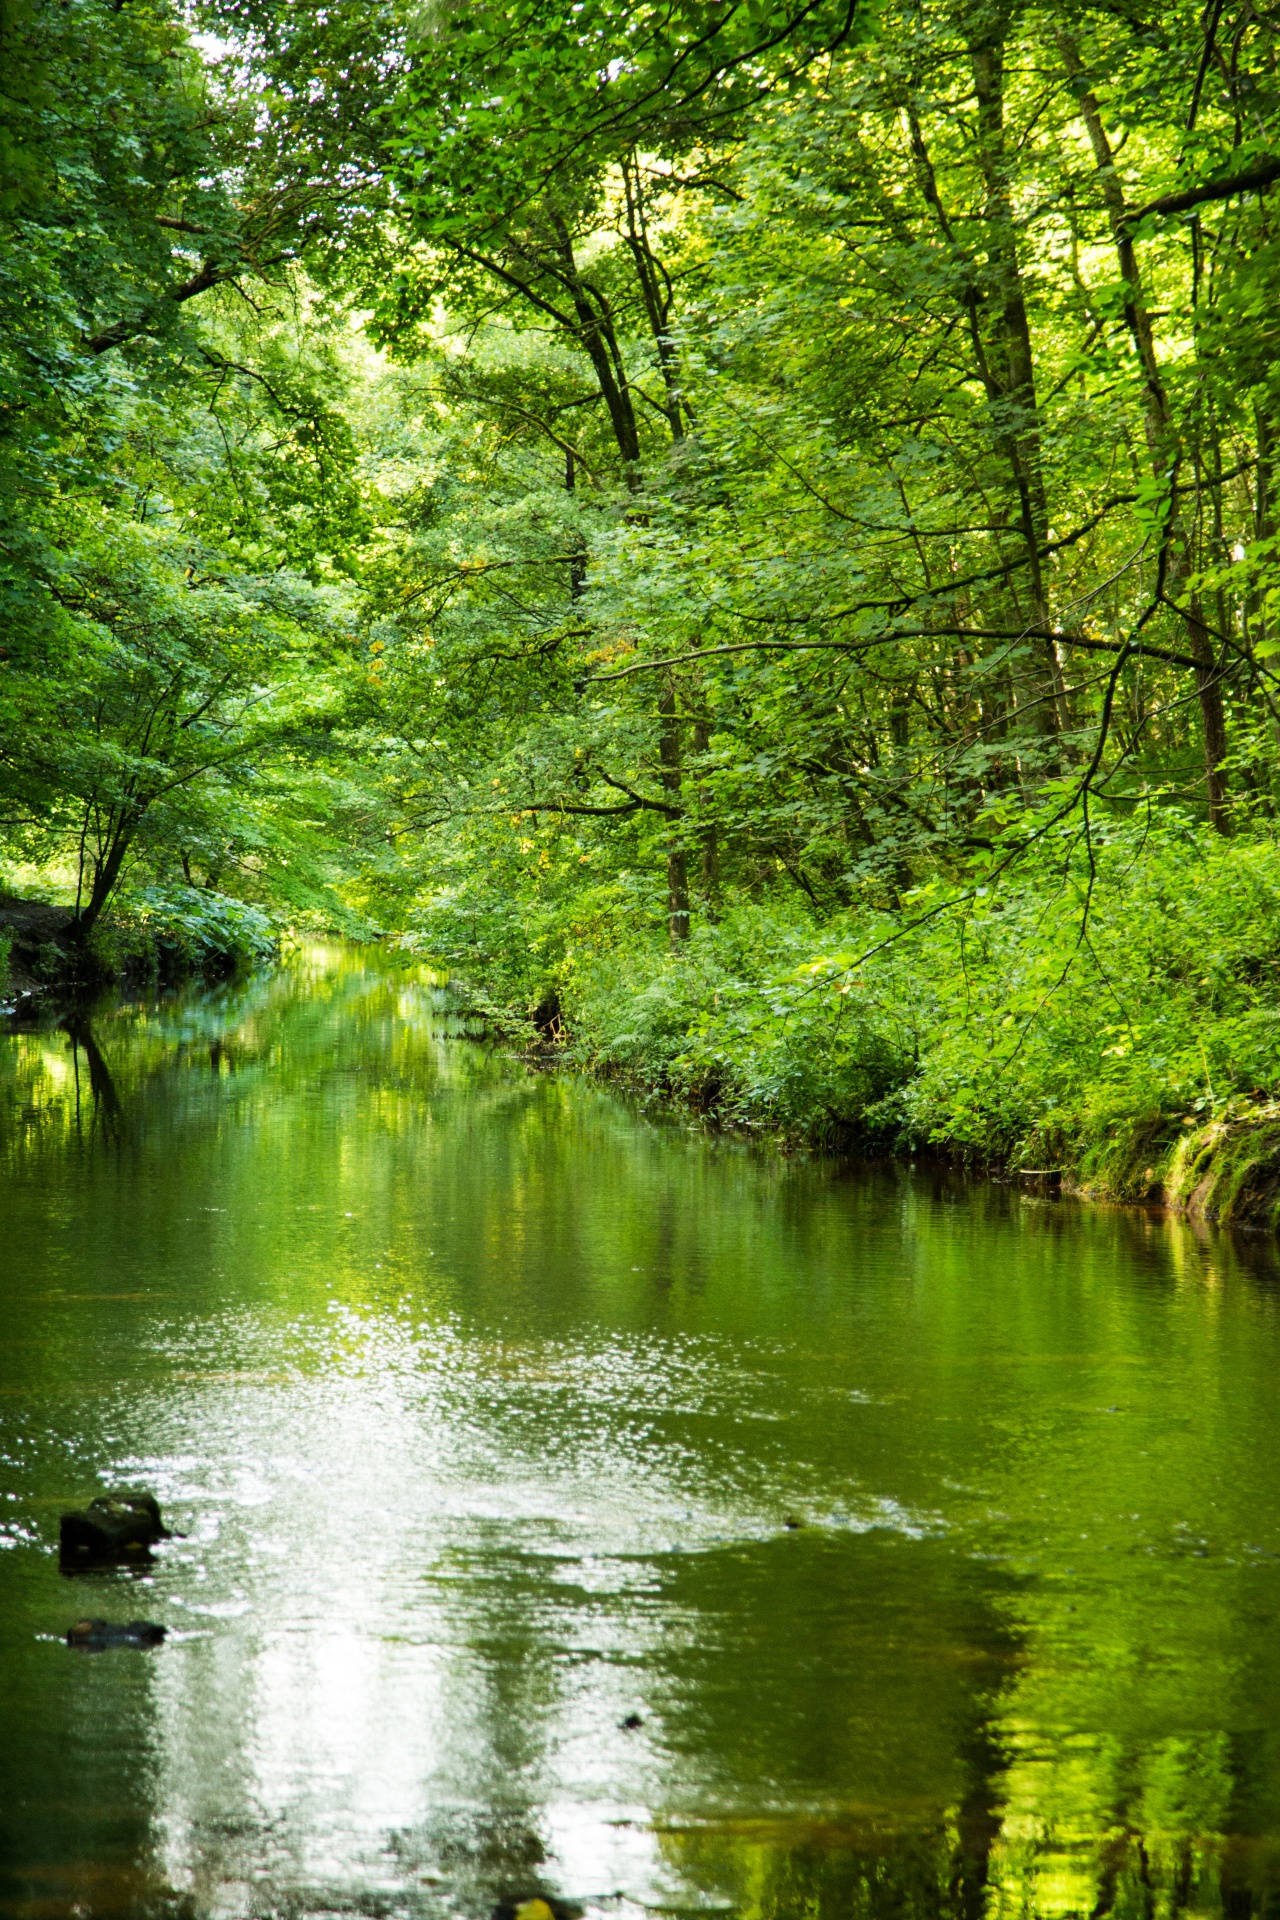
(484, 1403)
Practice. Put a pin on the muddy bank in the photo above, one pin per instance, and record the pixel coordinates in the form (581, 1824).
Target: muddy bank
(161, 938)
(40, 945)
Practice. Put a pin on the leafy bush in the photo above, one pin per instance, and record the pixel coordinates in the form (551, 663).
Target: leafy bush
(1083, 1020)
(740, 1026)
(174, 931)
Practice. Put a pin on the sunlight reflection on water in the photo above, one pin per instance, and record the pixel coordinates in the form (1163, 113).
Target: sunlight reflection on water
(927, 1538)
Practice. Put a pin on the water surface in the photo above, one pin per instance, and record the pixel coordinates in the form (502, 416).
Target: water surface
(488, 1408)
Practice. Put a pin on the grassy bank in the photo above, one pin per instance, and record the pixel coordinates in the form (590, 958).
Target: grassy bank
(158, 935)
(1110, 1017)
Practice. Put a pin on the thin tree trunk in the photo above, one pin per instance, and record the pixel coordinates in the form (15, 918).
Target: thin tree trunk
(1038, 692)
(677, 862)
(578, 561)
(707, 831)
(106, 872)
(657, 302)
(596, 334)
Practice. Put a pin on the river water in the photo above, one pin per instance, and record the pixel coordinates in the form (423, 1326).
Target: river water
(487, 1409)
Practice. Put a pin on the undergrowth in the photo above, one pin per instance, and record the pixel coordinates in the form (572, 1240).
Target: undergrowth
(1110, 1020)
(174, 931)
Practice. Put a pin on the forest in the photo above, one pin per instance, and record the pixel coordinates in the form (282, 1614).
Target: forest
(744, 531)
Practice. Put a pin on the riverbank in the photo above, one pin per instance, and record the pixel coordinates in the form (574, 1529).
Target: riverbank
(157, 935)
(1108, 1021)
(1225, 1171)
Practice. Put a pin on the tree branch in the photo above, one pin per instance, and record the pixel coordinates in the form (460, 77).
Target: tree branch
(1250, 181)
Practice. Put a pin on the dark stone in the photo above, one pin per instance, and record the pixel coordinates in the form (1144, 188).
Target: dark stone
(114, 1527)
(631, 1722)
(95, 1636)
(535, 1906)
(792, 1522)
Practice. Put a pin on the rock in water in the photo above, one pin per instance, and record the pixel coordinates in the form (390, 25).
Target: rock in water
(95, 1636)
(116, 1526)
(536, 1907)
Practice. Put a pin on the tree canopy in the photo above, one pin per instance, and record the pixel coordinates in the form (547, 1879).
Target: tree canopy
(754, 485)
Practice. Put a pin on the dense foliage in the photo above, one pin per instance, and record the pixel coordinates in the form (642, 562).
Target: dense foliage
(747, 530)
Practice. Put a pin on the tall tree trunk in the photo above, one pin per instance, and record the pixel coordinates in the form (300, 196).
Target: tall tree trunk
(1266, 498)
(1037, 686)
(1162, 439)
(1018, 401)
(1268, 475)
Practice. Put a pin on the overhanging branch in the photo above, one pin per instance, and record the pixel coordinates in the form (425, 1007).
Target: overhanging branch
(1250, 181)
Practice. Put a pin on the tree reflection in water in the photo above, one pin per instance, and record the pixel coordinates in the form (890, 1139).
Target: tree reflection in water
(485, 1406)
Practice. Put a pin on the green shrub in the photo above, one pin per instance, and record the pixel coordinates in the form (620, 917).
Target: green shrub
(1082, 1018)
(174, 931)
(739, 1025)
(1102, 1006)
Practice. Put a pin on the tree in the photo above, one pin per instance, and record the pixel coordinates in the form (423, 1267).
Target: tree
(893, 301)
(152, 704)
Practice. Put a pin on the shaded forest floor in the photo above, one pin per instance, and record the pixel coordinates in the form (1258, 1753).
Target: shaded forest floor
(34, 933)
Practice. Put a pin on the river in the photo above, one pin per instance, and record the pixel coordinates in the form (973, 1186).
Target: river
(488, 1409)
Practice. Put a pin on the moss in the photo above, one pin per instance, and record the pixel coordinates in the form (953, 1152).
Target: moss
(1229, 1171)
(1123, 1147)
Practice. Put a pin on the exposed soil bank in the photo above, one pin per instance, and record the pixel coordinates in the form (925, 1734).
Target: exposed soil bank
(38, 936)
(1228, 1171)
